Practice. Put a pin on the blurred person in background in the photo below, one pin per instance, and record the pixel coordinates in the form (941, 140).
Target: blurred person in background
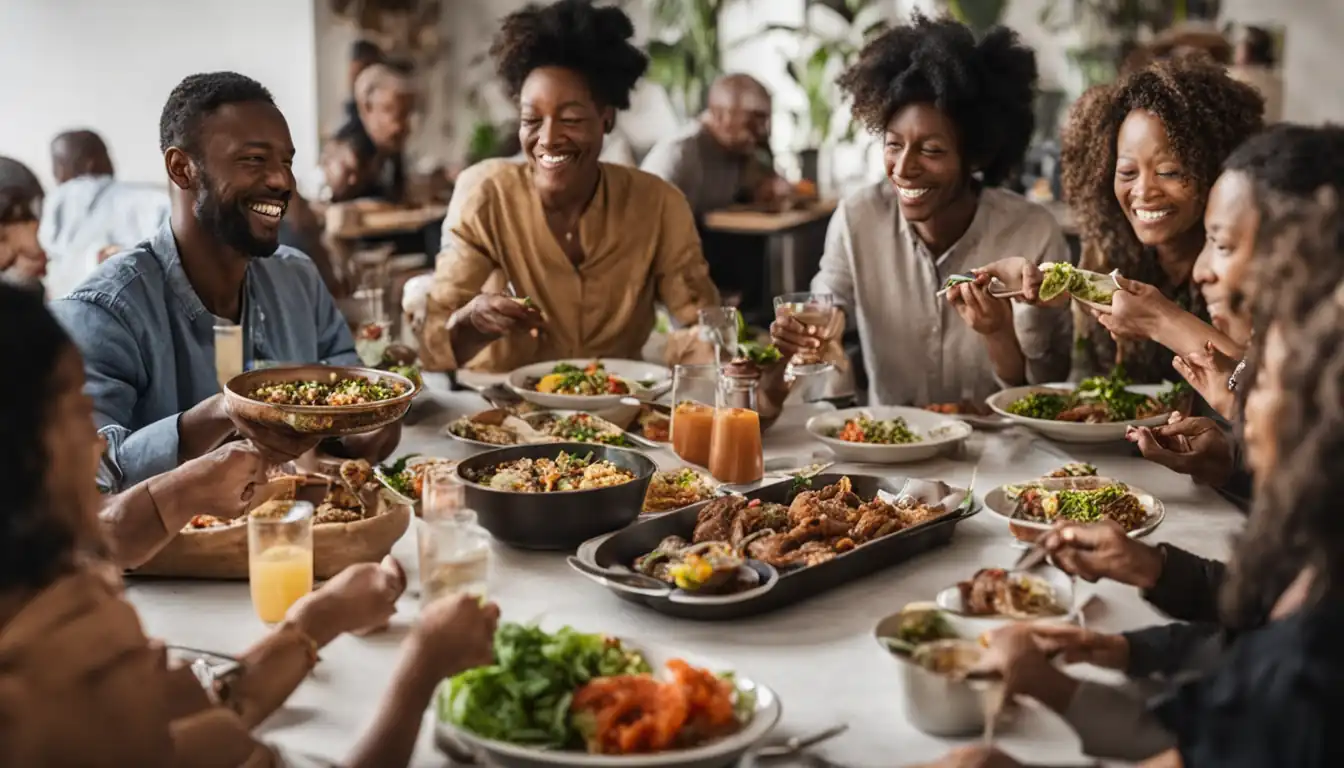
(1255, 62)
(22, 260)
(90, 214)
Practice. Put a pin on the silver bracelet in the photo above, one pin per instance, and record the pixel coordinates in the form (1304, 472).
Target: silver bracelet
(1232, 380)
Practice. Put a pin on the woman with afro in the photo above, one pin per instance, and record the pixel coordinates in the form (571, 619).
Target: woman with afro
(1139, 158)
(955, 115)
(590, 246)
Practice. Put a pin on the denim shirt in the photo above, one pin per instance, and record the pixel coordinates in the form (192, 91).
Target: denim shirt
(149, 345)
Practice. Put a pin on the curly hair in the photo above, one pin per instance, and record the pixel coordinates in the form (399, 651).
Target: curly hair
(196, 97)
(986, 88)
(34, 543)
(1296, 521)
(595, 42)
(1206, 114)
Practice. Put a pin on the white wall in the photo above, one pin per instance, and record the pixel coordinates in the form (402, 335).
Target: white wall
(110, 66)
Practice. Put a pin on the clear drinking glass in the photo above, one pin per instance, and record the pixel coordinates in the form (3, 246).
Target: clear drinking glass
(814, 309)
(279, 557)
(454, 557)
(718, 326)
(695, 391)
(228, 352)
(374, 334)
(454, 550)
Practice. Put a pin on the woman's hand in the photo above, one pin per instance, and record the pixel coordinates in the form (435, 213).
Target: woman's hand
(1194, 446)
(984, 314)
(454, 634)
(1095, 551)
(1017, 274)
(1138, 311)
(792, 337)
(360, 599)
(1076, 645)
(1208, 372)
(493, 315)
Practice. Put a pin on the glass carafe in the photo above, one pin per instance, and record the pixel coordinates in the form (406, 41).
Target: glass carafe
(735, 452)
(695, 391)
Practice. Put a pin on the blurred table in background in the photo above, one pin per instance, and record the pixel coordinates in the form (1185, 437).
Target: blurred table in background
(794, 240)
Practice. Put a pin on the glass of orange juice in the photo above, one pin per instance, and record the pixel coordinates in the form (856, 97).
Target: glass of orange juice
(694, 394)
(279, 557)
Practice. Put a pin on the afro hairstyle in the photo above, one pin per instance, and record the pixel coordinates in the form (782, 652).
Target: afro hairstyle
(575, 35)
(1293, 159)
(986, 87)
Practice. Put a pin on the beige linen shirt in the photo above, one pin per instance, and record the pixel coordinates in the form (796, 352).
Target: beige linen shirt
(640, 247)
(916, 348)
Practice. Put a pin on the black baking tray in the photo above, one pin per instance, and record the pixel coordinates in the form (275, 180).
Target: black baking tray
(622, 547)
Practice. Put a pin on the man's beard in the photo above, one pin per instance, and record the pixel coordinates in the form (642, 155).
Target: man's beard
(227, 222)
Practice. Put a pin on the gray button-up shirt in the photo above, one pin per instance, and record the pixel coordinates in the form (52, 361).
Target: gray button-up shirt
(708, 175)
(149, 346)
(916, 348)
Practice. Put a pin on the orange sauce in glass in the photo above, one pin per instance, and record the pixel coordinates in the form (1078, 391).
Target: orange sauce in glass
(692, 428)
(735, 454)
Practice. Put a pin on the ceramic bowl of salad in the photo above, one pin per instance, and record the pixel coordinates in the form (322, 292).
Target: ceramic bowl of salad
(887, 434)
(1097, 410)
(320, 400)
(588, 384)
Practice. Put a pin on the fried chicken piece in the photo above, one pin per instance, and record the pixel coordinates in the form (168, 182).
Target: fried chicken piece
(356, 473)
(986, 592)
(775, 550)
(814, 553)
(756, 517)
(328, 513)
(715, 521)
(878, 520)
(818, 528)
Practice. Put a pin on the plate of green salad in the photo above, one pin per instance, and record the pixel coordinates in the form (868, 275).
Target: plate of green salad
(1096, 410)
(571, 698)
(887, 434)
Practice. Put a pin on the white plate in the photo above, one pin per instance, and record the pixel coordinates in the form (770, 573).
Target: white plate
(1073, 432)
(939, 432)
(633, 371)
(999, 505)
(479, 380)
(717, 754)
(1060, 583)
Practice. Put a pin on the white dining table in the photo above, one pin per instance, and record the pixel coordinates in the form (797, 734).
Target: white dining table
(820, 656)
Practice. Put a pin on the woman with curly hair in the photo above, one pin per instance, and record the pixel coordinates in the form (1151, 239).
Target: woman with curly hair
(116, 700)
(1138, 159)
(593, 246)
(1267, 694)
(955, 115)
(1280, 168)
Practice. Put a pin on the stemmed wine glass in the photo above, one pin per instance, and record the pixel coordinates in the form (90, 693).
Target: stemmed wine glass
(810, 309)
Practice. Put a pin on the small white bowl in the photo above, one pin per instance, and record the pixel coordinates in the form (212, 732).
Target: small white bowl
(939, 433)
(949, 600)
(1069, 431)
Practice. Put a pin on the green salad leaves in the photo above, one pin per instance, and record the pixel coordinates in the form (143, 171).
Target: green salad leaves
(524, 697)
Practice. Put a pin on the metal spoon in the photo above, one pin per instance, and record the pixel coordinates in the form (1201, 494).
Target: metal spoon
(794, 745)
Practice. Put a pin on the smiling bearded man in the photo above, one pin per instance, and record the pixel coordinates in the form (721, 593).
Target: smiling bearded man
(145, 319)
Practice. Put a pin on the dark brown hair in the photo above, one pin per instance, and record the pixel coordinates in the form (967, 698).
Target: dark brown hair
(1296, 520)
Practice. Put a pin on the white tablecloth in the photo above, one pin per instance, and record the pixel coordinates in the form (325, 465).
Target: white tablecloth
(819, 656)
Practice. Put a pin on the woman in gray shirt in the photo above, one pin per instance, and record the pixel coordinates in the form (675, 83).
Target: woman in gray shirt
(956, 117)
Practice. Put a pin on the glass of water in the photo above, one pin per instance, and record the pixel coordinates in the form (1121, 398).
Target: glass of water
(718, 326)
(815, 310)
(454, 550)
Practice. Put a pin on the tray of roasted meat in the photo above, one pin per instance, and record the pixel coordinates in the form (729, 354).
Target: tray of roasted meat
(817, 533)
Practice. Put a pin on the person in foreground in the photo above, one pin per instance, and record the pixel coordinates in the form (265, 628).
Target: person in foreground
(1267, 694)
(1139, 158)
(593, 246)
(116, 701)
(1287, 163)
(145, 320)
(955, 116)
